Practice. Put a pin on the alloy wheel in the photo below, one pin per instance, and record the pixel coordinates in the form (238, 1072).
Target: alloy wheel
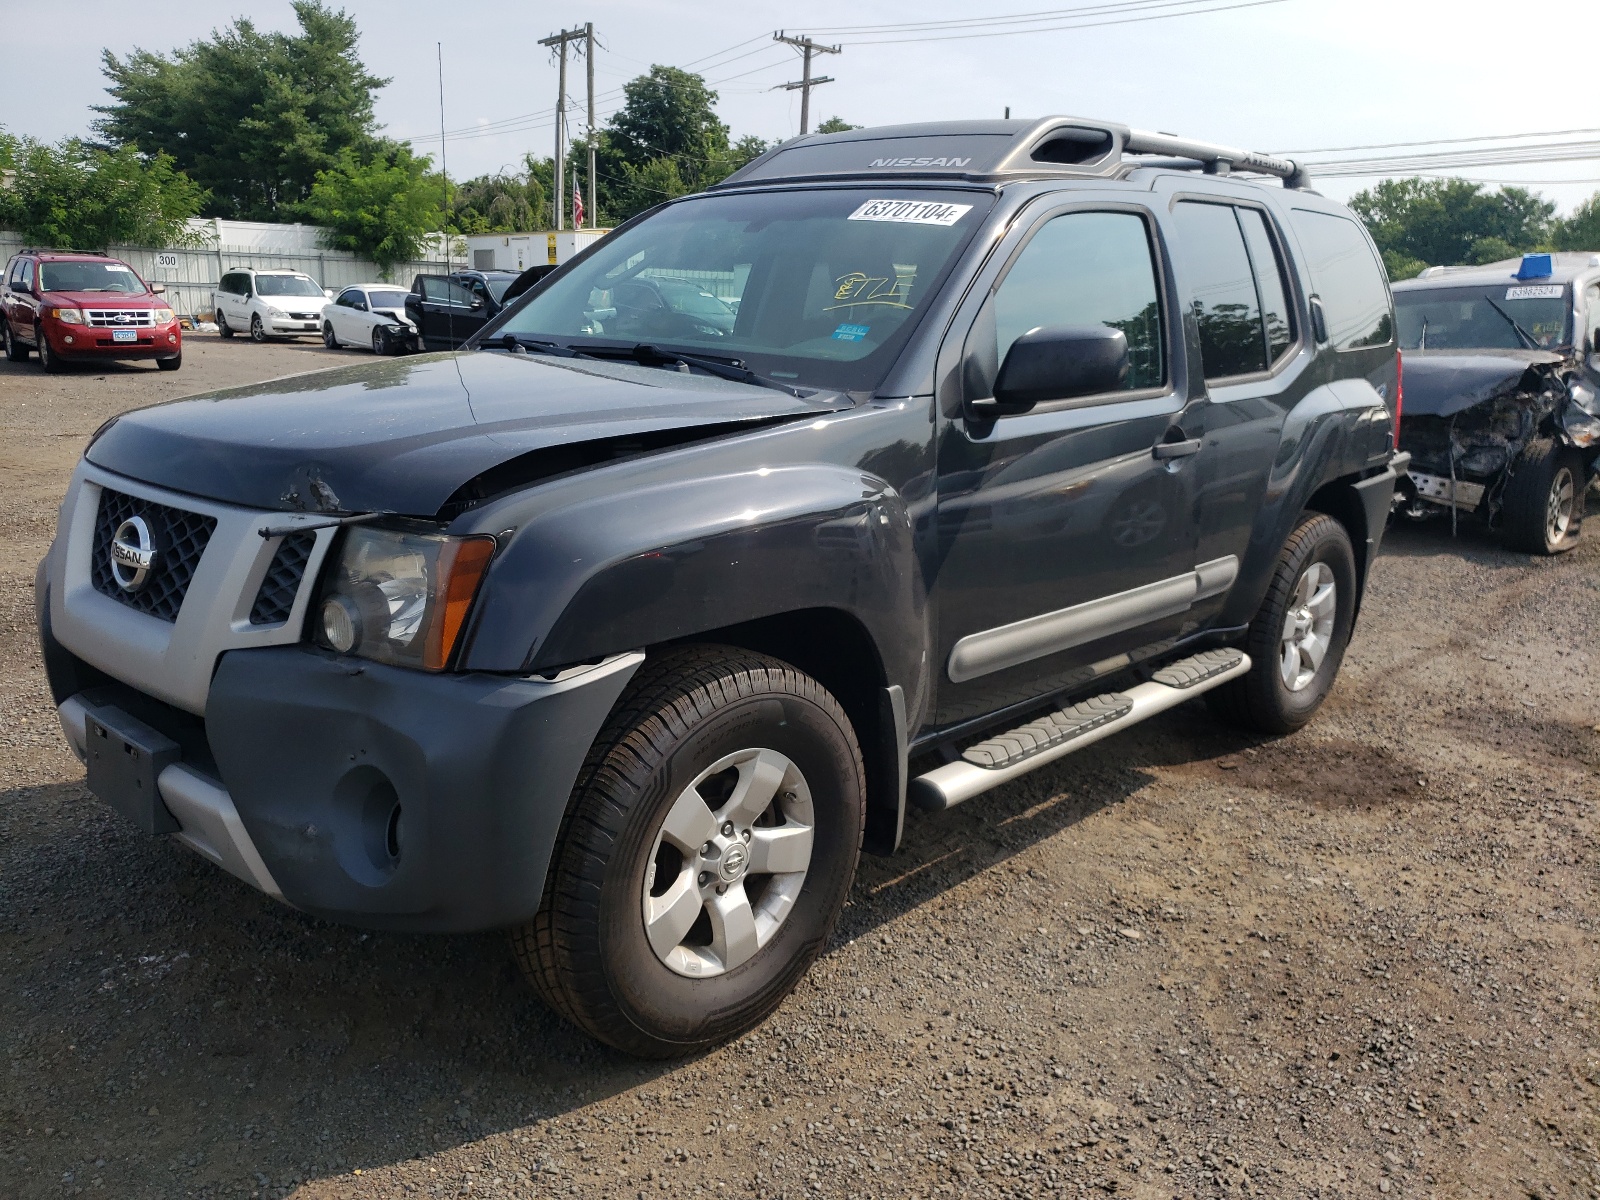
(1308, 626)
(1560, 506)
(729, 862)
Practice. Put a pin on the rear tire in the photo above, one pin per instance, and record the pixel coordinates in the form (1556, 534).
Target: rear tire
(717, 762)
(15, 350)
(1297, 639)
(48, 358)
(223, 328)
(1544, 498)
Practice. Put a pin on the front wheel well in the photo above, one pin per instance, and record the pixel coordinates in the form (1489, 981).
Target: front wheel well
(835, 649)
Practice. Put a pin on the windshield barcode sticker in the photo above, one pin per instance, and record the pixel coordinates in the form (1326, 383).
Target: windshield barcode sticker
(1537, 291)
(911, 212)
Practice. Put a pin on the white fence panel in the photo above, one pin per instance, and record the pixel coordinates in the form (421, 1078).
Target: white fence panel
(191, 274)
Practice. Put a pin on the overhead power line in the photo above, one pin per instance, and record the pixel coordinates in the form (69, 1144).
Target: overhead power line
(1445, 160)
(1460, 141)
(1076, 12)
(1140, 9)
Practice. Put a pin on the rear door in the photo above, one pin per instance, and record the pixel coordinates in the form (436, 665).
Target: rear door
(22, 305)
(1066, 544)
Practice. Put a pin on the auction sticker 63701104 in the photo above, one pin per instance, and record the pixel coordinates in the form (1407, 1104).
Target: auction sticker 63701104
(911, 212)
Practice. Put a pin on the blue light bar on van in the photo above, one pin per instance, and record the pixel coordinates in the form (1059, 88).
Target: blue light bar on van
(1535, 266)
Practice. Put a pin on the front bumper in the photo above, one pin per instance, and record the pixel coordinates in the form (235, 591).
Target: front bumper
(85, 342)
(374, 795)
(293, 326)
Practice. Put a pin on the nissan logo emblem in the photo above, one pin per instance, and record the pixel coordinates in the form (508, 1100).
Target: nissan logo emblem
(132, 553)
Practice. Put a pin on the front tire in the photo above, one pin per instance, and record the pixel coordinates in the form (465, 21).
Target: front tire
(170, 364)
(329, 338)
(15, 350)
(48, 358)
(258, 331)
(705, 856)
(1298, 637)
(380, 341)
(1544, 498)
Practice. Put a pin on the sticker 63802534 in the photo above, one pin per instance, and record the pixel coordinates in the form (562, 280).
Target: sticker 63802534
(911, 212)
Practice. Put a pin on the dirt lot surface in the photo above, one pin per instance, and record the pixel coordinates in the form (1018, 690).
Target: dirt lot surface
(1360, 960)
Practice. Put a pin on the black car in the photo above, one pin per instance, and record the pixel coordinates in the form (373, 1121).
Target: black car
(1502, 394)
(629, 638)
(448, 309)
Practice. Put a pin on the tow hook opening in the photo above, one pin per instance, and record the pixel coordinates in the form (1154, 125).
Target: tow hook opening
(368, 830)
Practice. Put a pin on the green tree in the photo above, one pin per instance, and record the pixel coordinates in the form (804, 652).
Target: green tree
(81, 197)
(384, 204)
(1450, 221)
(251, 116)
(1580, 231)
(836, 125)
(498, 204)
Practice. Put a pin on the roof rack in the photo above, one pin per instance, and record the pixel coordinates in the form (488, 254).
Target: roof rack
(995, 151)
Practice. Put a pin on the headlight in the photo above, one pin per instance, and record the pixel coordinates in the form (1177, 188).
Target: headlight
(401, 598)
(160, 316)
(273, 310)
(68, 316)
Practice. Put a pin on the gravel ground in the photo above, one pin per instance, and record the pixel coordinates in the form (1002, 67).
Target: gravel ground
(1184, 962)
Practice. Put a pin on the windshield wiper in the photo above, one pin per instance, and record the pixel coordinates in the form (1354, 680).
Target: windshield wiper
(724, 368)
(1529, 343)
(521, 345)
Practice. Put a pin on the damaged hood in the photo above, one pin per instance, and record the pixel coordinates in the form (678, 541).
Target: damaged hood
(403, 434)
(1441, 383)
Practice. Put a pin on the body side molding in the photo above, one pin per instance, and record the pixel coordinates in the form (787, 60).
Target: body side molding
(991, 650)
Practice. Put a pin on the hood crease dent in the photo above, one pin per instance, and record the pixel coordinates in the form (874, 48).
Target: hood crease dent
(1442, 383)
(406, 435)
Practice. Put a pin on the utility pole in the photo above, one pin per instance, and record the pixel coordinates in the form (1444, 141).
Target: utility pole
(559, 41)
(807, 48)
(594, 211)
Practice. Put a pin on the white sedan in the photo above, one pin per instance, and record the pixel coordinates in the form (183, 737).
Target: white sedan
(368, 314)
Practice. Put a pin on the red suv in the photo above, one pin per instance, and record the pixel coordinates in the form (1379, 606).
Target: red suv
(84, 306)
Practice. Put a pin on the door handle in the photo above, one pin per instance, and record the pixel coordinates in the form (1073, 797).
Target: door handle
(1169, 450)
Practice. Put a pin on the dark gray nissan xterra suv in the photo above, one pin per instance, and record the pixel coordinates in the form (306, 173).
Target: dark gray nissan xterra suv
(903, 462)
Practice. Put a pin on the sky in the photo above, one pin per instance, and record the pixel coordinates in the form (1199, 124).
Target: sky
(1286, 75)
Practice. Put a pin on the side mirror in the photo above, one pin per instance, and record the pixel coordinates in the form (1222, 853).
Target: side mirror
(1594, 363)
(158, 288)
(18, 286)
(476, 303)
(1058, 362)
(328, 293)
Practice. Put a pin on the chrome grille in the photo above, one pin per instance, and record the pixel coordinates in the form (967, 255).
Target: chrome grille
(180, 539)
(275, 598)
(119, 317)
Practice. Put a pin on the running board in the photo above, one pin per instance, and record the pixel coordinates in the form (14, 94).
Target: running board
(1028, 747)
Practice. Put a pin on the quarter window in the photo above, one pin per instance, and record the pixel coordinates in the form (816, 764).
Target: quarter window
(1086, 268)
(1346, 277)
(1222, 290)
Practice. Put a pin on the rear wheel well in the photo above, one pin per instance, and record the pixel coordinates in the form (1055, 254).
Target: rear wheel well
(1339, 501)
(835, 649)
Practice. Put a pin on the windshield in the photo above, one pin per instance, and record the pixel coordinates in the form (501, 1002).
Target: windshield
(89, 277)
(286, 285)
(821, 287)
(1464, 318)
(497, 287)
(387, 299)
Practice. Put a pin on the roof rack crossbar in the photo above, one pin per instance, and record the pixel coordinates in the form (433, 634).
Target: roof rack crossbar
(1219, 160)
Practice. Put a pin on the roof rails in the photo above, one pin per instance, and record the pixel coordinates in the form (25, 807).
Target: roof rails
(995, 151)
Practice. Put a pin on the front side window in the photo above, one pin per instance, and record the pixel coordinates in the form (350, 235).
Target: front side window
(821, 286)
(1347, 278)
(1087, 268)
(75, 276)
(350, 298)
(287, 285)
(438, 290)
(1222, 290)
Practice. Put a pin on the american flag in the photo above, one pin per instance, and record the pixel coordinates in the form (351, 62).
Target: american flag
(577, 206)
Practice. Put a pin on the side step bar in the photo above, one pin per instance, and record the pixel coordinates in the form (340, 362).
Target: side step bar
(1009, 755)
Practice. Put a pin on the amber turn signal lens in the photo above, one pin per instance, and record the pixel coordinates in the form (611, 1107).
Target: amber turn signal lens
(462, 564)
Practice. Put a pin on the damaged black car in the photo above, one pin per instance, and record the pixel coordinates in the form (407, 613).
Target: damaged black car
(1501, 395)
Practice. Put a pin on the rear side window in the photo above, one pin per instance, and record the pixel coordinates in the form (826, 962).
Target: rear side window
(437, 290)
(1087, 268)
(1270, 284)
(1346, 277)
(1222, 290)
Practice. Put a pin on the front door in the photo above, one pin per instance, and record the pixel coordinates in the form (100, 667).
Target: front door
(450, 313)
(1067, 536)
